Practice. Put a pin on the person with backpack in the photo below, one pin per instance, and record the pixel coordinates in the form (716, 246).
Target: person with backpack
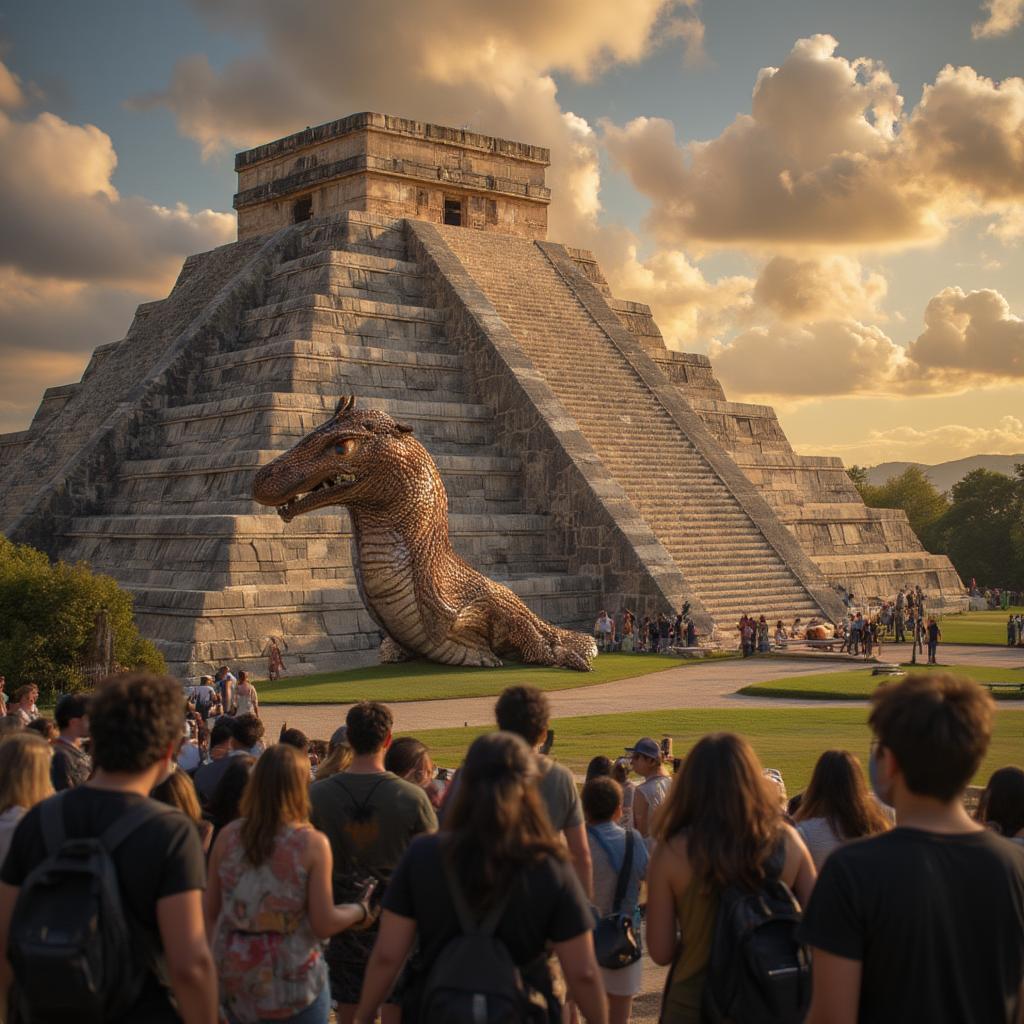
(370, 816)
(484, 898)
(620, 865)
(724, 874)
(924, 922)
(121, 874)
(268, 904)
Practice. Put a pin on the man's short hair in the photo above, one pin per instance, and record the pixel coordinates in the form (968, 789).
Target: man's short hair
(938, 727)
(133, 719)
(247, 731)
(602, 797)
(369, 725)
(70, 706)
(222, 731)
(294, 738)
(525, 711)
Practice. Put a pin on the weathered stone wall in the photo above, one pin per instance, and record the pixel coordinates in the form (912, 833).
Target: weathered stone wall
(394, 167)
(72, 457)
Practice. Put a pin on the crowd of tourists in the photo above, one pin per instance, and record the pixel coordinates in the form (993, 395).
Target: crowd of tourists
(650, 634)
(276, 880)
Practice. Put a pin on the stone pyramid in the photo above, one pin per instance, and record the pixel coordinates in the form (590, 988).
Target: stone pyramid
(587, 466)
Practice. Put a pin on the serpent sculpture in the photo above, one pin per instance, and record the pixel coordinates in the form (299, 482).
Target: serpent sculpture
(428, 601)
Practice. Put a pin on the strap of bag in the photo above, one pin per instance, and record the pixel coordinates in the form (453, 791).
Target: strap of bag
(467, 921)
(625, 869)
(624, 873)
(134, 819)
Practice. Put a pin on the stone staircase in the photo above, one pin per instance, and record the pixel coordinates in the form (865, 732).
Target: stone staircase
(696, 516)
(214, 573)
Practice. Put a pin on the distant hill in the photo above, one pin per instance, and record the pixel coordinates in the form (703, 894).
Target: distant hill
(945, 474)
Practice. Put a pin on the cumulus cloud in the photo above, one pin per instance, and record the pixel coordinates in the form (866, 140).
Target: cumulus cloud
(970, 339)
(11, 94)
(819, 289)
(930, 446)
(63, 217)
(828, 158)
(971, 333)
(48, 329)
(1009, 228)
(689, 308)
(76, 257)
(967, 133)
(832, 357)
(1000, 17)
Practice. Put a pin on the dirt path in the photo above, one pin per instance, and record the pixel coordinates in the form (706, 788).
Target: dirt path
(711, 684)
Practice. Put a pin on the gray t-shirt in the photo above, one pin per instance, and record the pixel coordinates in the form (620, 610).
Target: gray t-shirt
(559, 794)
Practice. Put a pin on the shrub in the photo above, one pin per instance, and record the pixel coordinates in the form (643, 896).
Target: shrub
(49, 610)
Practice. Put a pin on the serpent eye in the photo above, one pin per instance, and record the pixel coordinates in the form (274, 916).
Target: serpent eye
(346, 447)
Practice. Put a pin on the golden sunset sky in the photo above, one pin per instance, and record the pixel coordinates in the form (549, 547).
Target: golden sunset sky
(825, 197)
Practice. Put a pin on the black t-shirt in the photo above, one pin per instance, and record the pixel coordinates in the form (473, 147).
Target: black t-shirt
(547, 905)
(936, 920)
(163, 857)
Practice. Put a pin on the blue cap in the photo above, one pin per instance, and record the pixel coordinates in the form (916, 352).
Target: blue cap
(647, 747)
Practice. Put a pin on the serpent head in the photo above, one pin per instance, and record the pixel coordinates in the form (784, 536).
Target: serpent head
(358, 457)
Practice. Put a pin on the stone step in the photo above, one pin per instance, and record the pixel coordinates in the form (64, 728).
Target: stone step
(655, 462)
(340, 272)
(204, 552)
(357, 232)
(355, 317)
(221, 483)
(297, 365)
(367, 393)
(271, 420)
(323, 628)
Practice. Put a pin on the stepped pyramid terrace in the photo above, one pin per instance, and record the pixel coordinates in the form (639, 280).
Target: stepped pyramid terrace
(586, 464)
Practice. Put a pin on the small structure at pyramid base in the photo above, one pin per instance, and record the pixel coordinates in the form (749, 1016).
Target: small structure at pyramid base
(428, 601)
(587, 466)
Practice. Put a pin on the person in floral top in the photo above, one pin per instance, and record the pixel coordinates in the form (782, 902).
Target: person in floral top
(268, 901)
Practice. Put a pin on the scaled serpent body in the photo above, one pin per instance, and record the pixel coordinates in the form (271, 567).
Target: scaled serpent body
(428, 600)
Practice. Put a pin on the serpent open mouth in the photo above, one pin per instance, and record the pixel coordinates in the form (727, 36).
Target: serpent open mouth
(322, 494)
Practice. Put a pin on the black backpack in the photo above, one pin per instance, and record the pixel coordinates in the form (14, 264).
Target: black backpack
(758, 972)
(474, 979)
(74, 951)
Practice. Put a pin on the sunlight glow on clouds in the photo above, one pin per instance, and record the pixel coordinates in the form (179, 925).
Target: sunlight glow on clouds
(76, 257)
(937, 444)
(827, 158)
(1001, 17)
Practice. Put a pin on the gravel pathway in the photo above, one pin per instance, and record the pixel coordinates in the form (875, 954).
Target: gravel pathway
(711, 684)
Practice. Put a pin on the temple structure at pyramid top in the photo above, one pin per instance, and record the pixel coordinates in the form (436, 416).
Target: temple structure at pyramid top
(587, 465)
(393, 167)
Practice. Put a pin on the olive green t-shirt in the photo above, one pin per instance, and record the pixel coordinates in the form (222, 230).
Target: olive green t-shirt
(369, 820)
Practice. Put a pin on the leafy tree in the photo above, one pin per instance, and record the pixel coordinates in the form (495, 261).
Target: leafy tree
(859, 476)
(49, 610)
(911, 491)
(983, 530)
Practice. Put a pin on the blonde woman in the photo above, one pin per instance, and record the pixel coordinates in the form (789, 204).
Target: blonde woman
(24, 780)
(268, 899)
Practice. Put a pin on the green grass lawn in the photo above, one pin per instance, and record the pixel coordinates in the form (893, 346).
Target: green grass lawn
(423, 680)
(976, 627)
(860, 683)
(790, 739)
